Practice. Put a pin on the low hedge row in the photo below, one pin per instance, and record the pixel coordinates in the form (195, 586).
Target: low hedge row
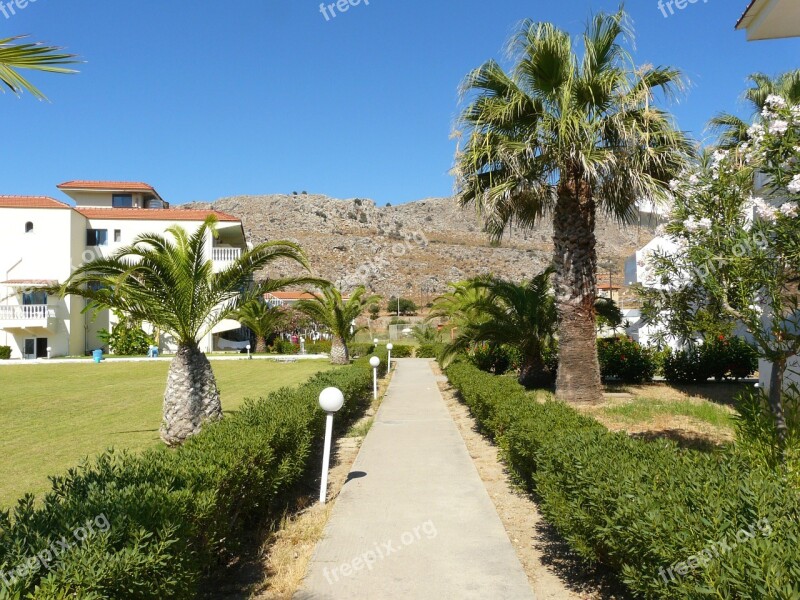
(672, 523)
(402, 351)
(722, 358)
(172, 516)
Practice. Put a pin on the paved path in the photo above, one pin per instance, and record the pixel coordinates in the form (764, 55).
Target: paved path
(415, 520)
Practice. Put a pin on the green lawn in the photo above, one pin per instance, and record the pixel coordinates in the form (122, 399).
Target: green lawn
(646, 409)
(55, 415)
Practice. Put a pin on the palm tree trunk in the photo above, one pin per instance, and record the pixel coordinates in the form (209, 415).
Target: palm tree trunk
(340, 355)
(191, 397)
(534, 373)
(575, 261)
(261, 345)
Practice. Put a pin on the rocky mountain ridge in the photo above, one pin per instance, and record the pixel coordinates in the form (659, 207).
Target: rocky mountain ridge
(411, 249)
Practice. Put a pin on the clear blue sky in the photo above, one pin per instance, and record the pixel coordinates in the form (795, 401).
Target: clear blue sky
(206, 99)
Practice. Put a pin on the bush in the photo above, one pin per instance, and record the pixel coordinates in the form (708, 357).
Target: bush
(175, 515)
(402, 351)
(280, 346)
(721, 358)
(492, 358)
(625, 360)
(362, 349)
(644, 508)
(5, 352)
(319, 347)
(429, 350)
(127, 340)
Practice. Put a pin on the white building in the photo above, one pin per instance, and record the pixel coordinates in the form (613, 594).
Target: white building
(42, 240)
(771, 19)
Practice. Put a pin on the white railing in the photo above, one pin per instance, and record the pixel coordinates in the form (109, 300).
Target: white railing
(23, 313)
(225, 254)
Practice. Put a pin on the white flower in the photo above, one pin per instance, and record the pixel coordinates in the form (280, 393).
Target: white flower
(794, 184)
(694, 180)
(764, 210)
(775, 101)
(691, 225)
(796, 111)
(789, 209)
(704, 223)
(779, 127)
(674, 184)
(756, 130)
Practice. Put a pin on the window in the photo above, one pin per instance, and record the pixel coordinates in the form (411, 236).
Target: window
(97, 237)
(117, 235)
(122, 201)
(34, 298)
(28, 227)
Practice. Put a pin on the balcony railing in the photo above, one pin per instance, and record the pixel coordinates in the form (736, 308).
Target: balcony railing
(32, 312)
(225, 254)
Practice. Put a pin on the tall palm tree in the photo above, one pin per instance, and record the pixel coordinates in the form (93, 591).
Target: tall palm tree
(731, 129)
(169, 282)
(33, 56)
(522, 316)
(262, 319)
(329, 308)
(566, 136)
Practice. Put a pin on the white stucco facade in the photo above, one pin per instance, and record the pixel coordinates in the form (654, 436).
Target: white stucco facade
(42, 240)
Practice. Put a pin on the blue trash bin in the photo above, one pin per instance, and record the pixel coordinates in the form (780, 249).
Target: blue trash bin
(98, 355)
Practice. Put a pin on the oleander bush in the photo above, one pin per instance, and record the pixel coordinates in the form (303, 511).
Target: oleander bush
(720, 358)
(359, 349)
(174, 515)
(673, 523)
(5, 352)
(623, 359)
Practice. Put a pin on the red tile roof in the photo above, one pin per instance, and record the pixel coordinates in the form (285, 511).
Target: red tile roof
(153, 214)
(30, 202)
(127, 186)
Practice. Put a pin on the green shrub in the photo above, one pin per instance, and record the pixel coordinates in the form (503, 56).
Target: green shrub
(319, 347)
(280, 346)
(625, 360)
(362, 349)
(175, 515)
(127, 340)
(402, 351)
(642, 508)
(720, 358)
(5, 352)
(429, 350)
(492, 358)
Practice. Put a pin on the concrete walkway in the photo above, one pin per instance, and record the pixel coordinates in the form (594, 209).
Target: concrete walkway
(415, 520)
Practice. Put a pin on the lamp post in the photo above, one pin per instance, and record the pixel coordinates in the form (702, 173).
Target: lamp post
(331, 401)
(375, 362)
(250, 356)
(389, 347)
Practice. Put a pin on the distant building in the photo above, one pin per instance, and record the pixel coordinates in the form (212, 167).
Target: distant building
(42, 240)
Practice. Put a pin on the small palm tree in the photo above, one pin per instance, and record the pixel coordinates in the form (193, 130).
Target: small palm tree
(568, 136)
(731, 129)
(522, 316)
(33, 56)
(330, 309)
(262, 319)
(171, 284)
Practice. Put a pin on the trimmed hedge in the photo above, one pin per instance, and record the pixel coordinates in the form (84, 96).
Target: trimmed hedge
(429, 350)
(645, 508)
(5, 352)
(173, 515)
(402, 351)
(722, 358)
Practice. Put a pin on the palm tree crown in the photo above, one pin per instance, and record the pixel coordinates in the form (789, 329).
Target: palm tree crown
(33, 56)
(329, 308)
(568, 135)
(262, 319)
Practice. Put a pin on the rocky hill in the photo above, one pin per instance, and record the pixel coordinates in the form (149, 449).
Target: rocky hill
(412, 249)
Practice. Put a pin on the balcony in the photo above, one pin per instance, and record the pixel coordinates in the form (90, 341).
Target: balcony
(26, 317)
(225, 255)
